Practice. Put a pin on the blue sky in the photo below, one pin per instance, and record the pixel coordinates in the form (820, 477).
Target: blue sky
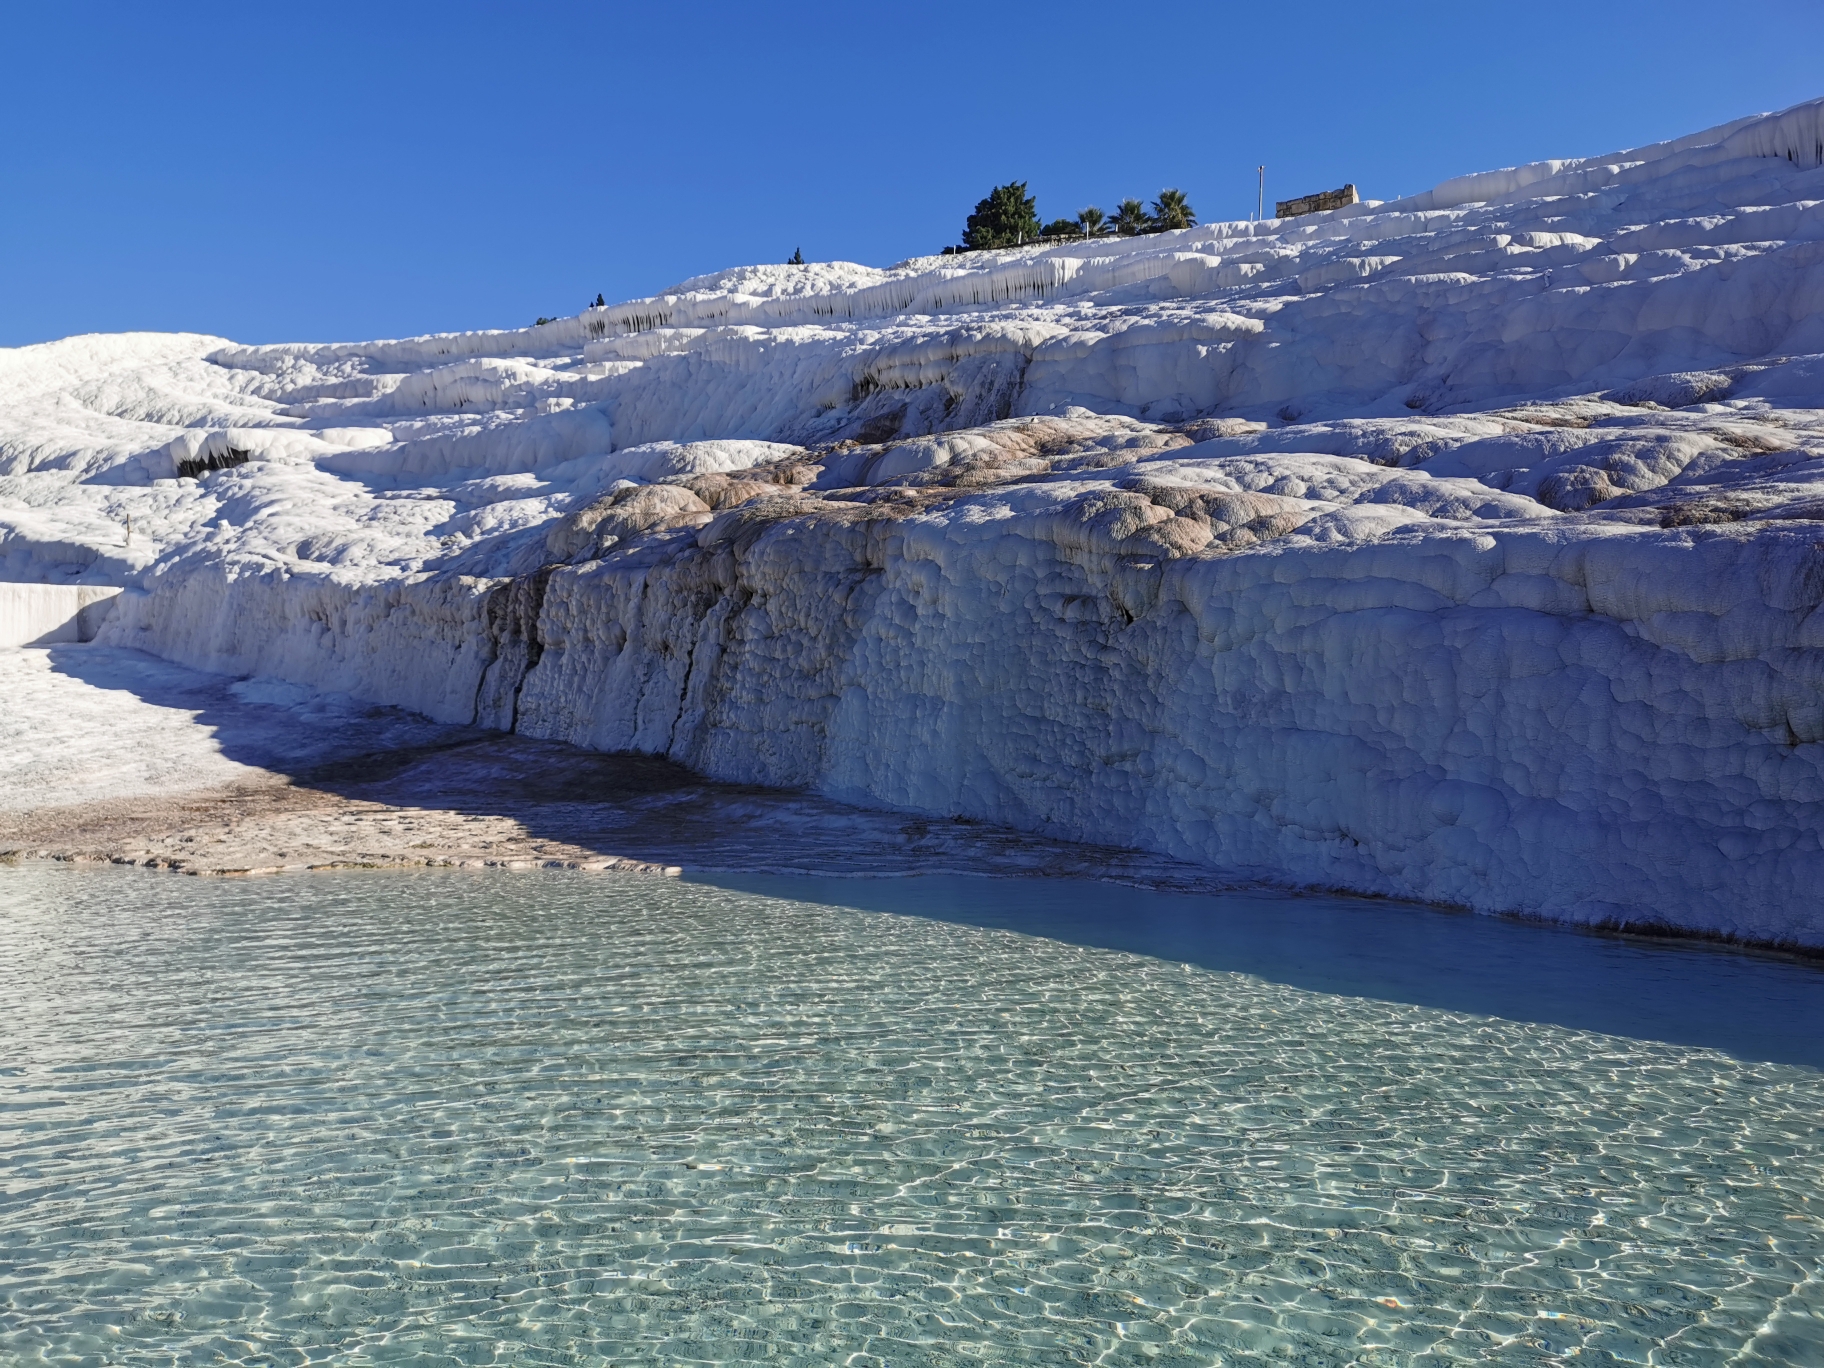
(330, 171)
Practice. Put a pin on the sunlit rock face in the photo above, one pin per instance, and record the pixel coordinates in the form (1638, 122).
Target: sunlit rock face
(1463, 548)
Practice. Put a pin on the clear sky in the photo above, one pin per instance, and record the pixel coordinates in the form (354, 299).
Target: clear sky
(324, 171)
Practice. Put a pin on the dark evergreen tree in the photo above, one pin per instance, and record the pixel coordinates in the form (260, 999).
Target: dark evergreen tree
(1062, 228)
(1172, 210)
(797, 257)
(600, 303)
(1008, 217)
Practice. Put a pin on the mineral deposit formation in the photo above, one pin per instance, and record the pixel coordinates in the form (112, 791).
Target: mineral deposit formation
(1467, 548)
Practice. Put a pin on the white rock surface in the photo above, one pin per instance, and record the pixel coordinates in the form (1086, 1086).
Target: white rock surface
(45, 614)
(84, 724)
(1464, 548)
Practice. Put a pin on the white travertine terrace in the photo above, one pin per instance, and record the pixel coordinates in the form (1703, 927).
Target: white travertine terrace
(1464, 548)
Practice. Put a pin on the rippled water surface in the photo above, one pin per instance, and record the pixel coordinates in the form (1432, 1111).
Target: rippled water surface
(575, 1119)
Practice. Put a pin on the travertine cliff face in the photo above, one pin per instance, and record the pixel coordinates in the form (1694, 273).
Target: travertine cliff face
(1464, 549)
(1616, 724)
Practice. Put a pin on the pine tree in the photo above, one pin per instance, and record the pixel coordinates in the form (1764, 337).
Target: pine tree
(1131, 219)
(1062, 228)
(797, 257)
(600, 303)
(1008, 217)
(1172, 210)
(1091, 221)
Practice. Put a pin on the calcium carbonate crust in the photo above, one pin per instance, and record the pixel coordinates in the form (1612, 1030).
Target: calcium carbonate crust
(1464, 549)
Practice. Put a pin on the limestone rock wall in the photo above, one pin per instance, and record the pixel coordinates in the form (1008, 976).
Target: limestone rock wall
(1619, 730)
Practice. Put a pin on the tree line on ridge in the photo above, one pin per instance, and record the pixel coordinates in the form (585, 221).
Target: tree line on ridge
(1009, 217)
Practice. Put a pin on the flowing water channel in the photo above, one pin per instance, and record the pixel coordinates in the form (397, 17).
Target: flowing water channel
(562, 1118)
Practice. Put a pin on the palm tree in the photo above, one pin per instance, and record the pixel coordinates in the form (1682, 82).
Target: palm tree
(1131, 219)
(1171, 210)
(1091, 220)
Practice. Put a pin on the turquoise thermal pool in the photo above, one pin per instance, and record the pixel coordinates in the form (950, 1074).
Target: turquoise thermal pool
(553, 1119)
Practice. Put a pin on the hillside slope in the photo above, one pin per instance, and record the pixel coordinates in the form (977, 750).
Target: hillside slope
(1463, 548)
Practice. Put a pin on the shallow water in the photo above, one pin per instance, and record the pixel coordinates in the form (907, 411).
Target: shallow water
(1749, 1004)
(551, 1119)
